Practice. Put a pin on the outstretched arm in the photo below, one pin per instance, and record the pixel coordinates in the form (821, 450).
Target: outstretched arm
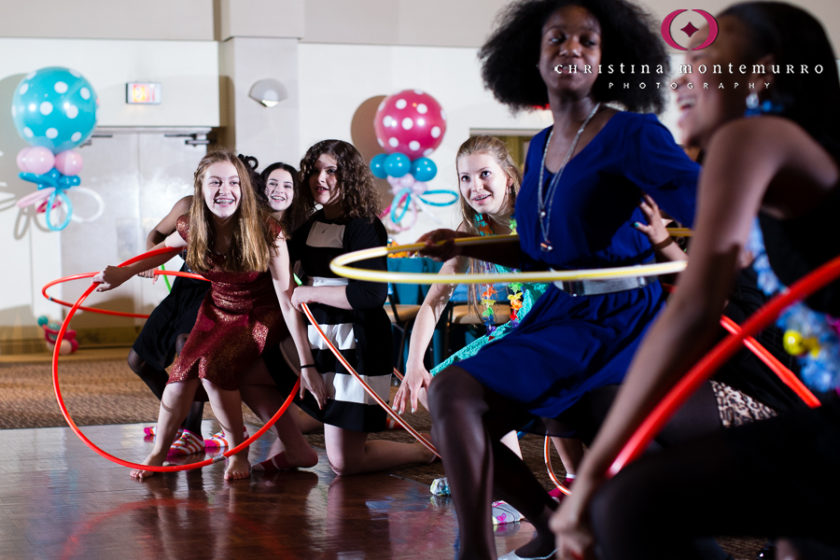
(440, 245)
(281, 276)
(113, 276)
(417, 377)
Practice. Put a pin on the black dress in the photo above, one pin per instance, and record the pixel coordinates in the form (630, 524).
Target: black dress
(361, 334)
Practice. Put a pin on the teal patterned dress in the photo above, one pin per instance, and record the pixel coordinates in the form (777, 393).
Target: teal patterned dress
(530, 294)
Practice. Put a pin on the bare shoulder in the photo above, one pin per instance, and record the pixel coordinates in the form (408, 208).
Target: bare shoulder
(774, 141)
(183, 205)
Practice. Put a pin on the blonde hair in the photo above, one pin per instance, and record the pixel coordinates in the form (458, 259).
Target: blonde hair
(250, 247)
(494, 147)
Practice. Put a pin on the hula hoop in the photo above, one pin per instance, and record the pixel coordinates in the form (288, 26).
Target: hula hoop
(721, 352)
(339, 267)
(164, 273)
(550, 469)
(153, 468)
(396, 417)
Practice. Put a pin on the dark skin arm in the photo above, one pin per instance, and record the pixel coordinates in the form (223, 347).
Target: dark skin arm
(440, 246)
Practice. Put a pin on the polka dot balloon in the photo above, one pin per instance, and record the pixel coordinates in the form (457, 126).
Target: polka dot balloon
(54, 107)
(410, 122)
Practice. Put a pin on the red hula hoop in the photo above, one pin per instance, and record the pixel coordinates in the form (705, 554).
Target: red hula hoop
(716, 356)
(248, 441)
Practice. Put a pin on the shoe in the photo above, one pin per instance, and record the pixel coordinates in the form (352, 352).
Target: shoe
(513, 556)
(187, 443)
(219, 441)
(440, 487)
(504, 513)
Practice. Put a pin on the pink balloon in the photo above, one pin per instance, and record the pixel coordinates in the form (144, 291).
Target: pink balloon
(21, 158)
(411, 122)
(36, 159)
(68, 162)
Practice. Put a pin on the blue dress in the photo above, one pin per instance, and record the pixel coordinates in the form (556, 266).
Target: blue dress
(570, 345)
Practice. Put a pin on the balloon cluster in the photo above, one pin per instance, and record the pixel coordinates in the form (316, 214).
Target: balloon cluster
(409, 126)
(53, 109)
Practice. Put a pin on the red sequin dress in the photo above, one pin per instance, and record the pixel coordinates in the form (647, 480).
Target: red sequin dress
(237, 320)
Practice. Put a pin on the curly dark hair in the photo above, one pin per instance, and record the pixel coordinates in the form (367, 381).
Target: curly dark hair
(359, 197)
(510, 56)
(291, 217)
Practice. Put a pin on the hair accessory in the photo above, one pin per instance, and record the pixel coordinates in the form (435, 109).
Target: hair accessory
(544, 215)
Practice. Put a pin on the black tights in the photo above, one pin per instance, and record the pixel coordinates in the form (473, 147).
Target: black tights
(468, 420)
(156, 380)
(774, 478)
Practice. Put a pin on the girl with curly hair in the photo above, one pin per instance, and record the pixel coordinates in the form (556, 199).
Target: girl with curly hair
(583, 180)
(243, 254)
(351, 312)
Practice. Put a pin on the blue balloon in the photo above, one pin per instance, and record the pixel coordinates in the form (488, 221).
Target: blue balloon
(54, 107)
(423, 169)
(377, 166)
(397, 164)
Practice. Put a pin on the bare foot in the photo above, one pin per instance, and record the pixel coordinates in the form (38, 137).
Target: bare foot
(155, 460)
(238, 467)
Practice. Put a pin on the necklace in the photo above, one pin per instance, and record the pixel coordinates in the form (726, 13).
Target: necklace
(488, 302)
(545, 212)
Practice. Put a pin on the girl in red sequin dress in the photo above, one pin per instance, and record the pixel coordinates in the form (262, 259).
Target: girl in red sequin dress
(243, 254)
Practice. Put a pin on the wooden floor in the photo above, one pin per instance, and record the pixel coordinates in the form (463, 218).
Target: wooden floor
(59, 499)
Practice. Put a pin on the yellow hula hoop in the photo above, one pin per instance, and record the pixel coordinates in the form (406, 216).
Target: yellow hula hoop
(339, 267)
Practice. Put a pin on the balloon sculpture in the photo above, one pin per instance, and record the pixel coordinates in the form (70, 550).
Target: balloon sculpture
(68, 345)
(54, 109)
(409, 126)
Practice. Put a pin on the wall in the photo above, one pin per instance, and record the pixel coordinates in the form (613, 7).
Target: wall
(188, 72)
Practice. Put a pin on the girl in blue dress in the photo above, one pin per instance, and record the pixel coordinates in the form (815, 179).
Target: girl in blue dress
(584, 177)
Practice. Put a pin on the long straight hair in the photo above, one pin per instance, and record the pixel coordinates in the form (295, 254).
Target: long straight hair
(249, 250)
(497, 149)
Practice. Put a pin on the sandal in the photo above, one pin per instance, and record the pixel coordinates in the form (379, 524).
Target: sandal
(187, 443)
(219, 441)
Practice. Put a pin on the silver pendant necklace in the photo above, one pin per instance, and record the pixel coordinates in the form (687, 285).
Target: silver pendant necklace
(544, 215)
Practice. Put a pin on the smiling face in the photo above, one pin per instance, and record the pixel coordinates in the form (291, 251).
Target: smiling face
(571, 36)
(279, 190)
(221, 190)
(483, 184)
(706, 101)
(323, 182)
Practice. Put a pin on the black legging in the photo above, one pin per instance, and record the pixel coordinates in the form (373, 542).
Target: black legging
(468, 420)
(776, 478)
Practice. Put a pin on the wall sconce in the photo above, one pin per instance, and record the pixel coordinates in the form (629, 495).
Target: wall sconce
(268, 92)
